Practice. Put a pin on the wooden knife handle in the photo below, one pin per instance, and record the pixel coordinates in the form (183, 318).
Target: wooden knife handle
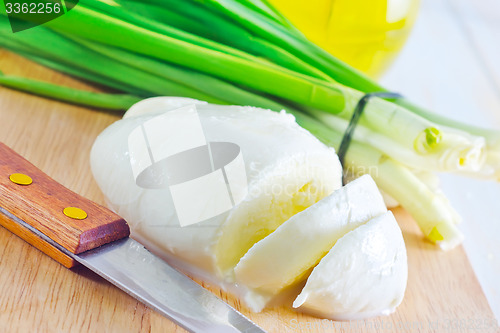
(49, 207)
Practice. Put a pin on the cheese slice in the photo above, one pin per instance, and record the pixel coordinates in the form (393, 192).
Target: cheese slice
(363, 275)
(287, 256)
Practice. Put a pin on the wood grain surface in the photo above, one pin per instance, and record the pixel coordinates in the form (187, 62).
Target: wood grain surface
(39, 295)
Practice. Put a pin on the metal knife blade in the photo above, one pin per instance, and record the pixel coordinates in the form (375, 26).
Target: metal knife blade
(131, 267)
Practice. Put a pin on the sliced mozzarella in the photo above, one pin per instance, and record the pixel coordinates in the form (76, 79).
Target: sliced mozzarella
(286, 256)
(363, 275)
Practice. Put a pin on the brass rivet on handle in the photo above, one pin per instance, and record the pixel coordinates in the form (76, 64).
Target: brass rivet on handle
(20, 179)
(75, 213)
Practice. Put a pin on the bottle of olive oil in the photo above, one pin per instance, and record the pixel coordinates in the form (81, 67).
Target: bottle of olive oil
(366, 34)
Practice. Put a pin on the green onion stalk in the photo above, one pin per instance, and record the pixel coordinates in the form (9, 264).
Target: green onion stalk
(91, 99)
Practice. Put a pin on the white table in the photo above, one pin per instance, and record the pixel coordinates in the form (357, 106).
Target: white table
(451, 64)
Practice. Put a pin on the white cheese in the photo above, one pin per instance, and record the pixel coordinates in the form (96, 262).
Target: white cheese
(287, 169)
(363, 275)
(286, 256)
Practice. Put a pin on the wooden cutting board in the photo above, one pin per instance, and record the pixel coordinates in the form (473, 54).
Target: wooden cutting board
(39, 295)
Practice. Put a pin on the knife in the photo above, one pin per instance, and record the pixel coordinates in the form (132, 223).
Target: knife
(73, 230)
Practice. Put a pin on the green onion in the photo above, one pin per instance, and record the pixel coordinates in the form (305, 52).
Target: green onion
(98, 100)
(334, 98)
(221, 30)
(66, 51)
